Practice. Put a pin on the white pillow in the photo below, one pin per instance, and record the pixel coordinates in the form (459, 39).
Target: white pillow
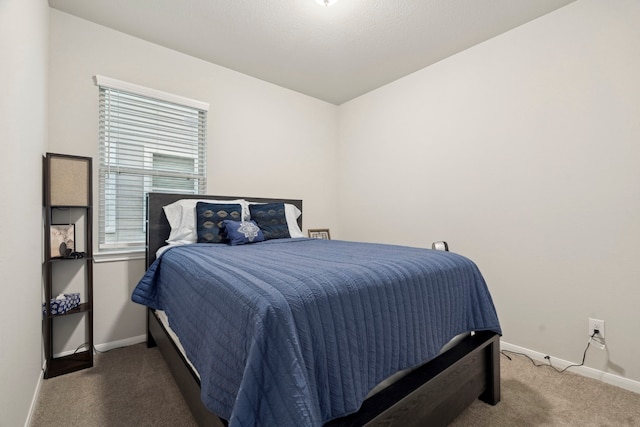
(291, 213)
(182, 218)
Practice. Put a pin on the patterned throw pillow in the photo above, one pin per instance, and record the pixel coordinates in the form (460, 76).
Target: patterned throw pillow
(271, 219)
(209, 219)
(242, 232)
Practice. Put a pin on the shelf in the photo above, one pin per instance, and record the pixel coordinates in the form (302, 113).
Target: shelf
(67, 201)
(86, 258)
(69, 206)
(82, 308)
(71, 363)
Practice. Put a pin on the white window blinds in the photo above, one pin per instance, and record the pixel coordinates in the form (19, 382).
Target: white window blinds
(149, 141)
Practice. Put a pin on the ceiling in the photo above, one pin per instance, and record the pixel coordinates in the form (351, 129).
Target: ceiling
(332, 53)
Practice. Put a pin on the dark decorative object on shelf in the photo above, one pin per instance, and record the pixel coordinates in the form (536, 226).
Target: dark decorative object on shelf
(76, 255)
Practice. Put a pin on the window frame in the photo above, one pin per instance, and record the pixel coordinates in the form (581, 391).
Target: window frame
(124, 249)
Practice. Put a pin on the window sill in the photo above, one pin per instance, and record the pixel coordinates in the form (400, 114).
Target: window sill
(115, 256)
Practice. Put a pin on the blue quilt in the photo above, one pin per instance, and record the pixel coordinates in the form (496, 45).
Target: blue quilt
(296, 332)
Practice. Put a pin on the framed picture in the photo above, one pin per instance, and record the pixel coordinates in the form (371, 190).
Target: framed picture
(319, 233)
(63, 238)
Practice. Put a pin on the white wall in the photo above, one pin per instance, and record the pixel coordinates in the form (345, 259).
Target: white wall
(263, 140)
(23, 137)
(524, 154)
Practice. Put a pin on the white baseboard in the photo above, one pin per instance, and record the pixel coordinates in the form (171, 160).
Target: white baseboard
(110, 345)
(34, 400)
(121, 343)
(585, 371)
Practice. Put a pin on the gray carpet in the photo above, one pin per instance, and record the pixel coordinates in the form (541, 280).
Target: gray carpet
(133, 387)
(543, 397)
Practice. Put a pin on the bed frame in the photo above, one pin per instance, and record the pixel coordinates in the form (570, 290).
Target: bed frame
(432, 395)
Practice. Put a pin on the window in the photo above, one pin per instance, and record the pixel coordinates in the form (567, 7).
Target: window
(149, 141)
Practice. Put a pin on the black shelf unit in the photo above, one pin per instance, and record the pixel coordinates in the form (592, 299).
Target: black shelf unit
(67, 191)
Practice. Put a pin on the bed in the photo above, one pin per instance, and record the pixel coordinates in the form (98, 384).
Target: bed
(431, 393)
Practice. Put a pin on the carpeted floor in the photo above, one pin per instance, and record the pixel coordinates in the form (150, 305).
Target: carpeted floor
(133, 387)
(543, 397)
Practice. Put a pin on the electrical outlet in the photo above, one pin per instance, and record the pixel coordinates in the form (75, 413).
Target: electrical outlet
(596, 324)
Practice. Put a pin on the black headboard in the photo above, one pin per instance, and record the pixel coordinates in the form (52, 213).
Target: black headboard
(158, 228)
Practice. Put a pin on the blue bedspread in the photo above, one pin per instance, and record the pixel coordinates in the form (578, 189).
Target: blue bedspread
(295, 332)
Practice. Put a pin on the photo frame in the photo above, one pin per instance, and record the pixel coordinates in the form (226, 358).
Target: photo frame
(319, 233)
(63, 240)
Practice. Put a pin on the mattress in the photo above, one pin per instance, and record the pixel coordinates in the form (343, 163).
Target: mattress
(305, 328)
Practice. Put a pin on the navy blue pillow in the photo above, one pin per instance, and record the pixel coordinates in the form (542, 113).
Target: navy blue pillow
(240, 233)
(209, 217)
(271, 220)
